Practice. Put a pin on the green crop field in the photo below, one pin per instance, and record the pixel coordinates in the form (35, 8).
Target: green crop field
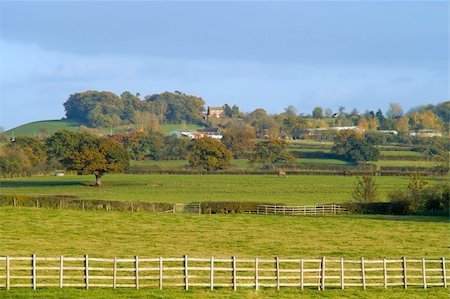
(296, 189)
(104, 234)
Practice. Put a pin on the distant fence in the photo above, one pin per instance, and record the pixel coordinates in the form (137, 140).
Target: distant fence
(141, 272)
(346, 171)
(299, 210)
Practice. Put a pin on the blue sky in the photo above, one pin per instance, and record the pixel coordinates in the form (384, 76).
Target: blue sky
(356, 54)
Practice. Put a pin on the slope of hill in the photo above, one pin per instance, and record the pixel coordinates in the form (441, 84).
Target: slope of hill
(48, 127)
(44, 127)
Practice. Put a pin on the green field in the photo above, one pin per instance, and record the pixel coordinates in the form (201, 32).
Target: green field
(99, 233)
(172, 127)
(401, 153)
(400, 163)
(49, 293)
(296, 189)
(104, 234)
(33, 129)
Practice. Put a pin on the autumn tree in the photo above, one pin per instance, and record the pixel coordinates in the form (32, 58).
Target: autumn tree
(395, 110)
(87, 154)
(209, 154)
(402, 125)
(240, 138)
(268, 153)
(425, 120)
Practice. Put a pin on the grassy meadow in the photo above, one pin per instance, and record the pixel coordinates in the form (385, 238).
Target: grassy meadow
(24, 231)
(99, 233)
(296, 189)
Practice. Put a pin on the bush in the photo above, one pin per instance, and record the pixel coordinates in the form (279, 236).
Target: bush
(365, 189)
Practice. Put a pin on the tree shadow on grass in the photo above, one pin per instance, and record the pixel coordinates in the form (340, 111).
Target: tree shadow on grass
(46, 183)
(414, 218)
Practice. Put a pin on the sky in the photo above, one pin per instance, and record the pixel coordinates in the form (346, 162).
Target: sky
(356, 54)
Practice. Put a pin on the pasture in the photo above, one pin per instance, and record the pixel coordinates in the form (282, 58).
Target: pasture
(105, 234)
(296, 189)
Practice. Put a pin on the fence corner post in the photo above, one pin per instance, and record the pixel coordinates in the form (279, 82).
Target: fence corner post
(33, 270)
(322, 274)
(86, 271)
(186, 273)
(444, 273)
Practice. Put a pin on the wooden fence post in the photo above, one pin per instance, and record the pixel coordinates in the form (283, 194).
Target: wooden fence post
(322, 274)
(385, 282)
(86, 271)
(8, 281)
(256, 274)
(160, 273)
(37, 203)
(444, 274)
(82, 205)
(363, 273)
(277, 269)
(115, 273)
(342, 274)
(405, 282)
(211, 277)
(33, 270)
(61, 271)
(424, 274)
(234, 273)
(301, 274)
(15, 202)
(186, 273)
(136, 268)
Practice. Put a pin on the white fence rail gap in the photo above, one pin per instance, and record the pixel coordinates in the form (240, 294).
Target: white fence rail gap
(190, 272)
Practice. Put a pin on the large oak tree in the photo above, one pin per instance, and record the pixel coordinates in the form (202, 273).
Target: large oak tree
(87, 154)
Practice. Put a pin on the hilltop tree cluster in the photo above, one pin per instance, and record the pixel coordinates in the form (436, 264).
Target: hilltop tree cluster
(106, 109)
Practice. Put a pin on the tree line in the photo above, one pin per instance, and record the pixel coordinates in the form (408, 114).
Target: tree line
(108, 110)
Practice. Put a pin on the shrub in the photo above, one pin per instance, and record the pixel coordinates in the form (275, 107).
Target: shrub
(365, 189)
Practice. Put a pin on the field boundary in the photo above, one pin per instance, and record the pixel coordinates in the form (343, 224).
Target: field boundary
(299, 210)
(183, 272)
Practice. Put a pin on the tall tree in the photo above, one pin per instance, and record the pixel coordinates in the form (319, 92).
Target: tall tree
(352, 146)
(271, 152)
(240, 138)
(317, 112)
(209, 154)
(395, 110)
(87, 154)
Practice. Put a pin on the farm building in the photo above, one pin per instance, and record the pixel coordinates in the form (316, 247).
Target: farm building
(216, 112)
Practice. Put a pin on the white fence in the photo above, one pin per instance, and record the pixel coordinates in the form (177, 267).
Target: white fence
(141, 272)
(299, 210)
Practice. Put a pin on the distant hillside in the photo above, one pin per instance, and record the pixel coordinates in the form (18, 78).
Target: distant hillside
(48, 127)
(44, 127)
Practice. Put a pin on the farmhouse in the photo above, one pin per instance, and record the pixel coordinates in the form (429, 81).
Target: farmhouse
(216, 112)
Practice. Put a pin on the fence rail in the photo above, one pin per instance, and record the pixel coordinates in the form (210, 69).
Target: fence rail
(183, 272)
(299, 210)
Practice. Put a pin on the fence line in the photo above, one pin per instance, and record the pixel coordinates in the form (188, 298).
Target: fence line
(141, 272)
(299, 210)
